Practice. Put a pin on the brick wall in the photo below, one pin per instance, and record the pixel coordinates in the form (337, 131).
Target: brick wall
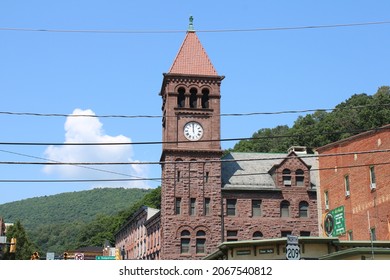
(362, 202)
(191, 184)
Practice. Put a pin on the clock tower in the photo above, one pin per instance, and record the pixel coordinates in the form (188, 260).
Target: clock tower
(191, 225)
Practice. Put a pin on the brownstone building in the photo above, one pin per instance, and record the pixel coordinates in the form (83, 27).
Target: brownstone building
(190, 160)
(206, 200)
(355, 177)
(269, 195)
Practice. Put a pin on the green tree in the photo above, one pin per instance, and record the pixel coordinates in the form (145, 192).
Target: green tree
(358, 113)
(271, 140)
(104, 227)
(24, 247)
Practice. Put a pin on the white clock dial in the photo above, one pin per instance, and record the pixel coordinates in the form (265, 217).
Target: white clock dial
(193, 131)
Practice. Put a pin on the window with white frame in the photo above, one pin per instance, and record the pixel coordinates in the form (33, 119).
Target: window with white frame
(326, 200)
(346, 185)
(372, 178)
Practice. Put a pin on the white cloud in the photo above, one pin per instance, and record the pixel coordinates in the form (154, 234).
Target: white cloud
(90, 130)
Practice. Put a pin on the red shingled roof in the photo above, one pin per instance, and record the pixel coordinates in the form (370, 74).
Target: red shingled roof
(192, 58)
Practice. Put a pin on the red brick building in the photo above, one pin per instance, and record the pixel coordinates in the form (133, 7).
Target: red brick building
(355, 177)
(137, 239)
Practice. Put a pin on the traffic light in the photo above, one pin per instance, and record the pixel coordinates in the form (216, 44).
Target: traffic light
(65, 255)
(12, 248)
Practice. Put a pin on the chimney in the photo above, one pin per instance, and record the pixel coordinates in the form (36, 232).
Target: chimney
(299, 150)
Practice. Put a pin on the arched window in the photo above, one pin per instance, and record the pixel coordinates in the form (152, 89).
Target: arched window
(181, 98)
(285, 209)
(257, 235)
(193, 97)
(205, 98)
(286, 177)
(201, 242)
(303, 209)
(300, 177)
(185, 242)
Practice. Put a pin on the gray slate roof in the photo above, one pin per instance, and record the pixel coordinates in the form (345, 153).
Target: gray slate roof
(237, 166)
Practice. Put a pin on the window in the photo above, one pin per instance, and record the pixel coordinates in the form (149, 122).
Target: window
(256, 208)
(193, 98)
(178, 165)
(181, 98)
(207, 206)
(303, 209)
(350, 235)
(304, 233)
(257, 235)
(284, 233)
(232, 235)
(372, 234)
(372, 178)
(300, 177)
(206, 177)
(326, 200)
(192, 206)
(177, 205)
(205, 98)
(201, 242)
(231, 207)
(284, 209)
(346, 184)
(185, 242)
(286, 177)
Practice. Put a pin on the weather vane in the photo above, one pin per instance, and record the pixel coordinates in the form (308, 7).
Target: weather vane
(191, 25)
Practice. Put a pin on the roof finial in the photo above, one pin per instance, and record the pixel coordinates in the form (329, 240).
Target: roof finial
(191, 24)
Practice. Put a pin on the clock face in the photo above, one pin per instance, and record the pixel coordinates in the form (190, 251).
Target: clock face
(193, 131)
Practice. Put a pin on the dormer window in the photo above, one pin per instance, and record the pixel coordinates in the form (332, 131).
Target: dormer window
(300, 177)
(286, 177)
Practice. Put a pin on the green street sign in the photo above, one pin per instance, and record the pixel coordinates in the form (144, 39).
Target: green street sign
(334, 222)
(104, 258)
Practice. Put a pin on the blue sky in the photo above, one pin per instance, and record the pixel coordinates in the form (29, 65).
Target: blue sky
(121, 74)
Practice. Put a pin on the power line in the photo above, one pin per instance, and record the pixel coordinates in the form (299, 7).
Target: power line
(52, 162)
(168, 178)
(185, 141)
(285, 28)
(33, 114)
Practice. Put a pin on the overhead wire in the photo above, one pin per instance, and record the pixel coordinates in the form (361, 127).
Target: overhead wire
(51, 161)
(283, 28)
(170, 178)
(222, 160)
(354, 153)
(184, 141)
(35, 114)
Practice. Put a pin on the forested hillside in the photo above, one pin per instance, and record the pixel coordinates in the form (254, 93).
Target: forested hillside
(58, 222)
(359, 113)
